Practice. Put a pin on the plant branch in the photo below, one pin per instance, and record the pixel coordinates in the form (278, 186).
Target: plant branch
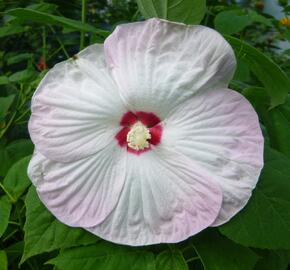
(84, 17)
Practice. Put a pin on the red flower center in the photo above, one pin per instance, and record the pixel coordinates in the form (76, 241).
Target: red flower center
(148, 121)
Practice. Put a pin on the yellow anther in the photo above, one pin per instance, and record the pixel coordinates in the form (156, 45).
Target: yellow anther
(138, 136)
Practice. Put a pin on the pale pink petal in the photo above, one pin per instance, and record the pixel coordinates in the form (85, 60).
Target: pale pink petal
(220, 131)
(84, 192)
(166, 198)
(76, 109)
(159, 64)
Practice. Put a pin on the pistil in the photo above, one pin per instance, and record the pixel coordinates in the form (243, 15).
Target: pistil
(138, 136)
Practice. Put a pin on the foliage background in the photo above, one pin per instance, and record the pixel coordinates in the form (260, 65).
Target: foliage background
(34, 35)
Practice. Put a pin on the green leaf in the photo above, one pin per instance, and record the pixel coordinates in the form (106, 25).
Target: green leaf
(265, 221)
(5, 161)
(16, 181)
(184, 11)
(287, 35)
(10, 30)
(270, 74)
(19, 58)
(277, 122)
(13, 152)
(231, 22)
(171, 260)
(46, 18)
(25, 75)
(19, 149)
(5, 208)
(286, 9)
(4, 80)
(5, 103)
(242, 72)
(3, 260)
(218, 253)
(44, 7)
(105, 256)
(273, 259)
(14, 251)
(257, 97)
(259, 18)
(44, 233)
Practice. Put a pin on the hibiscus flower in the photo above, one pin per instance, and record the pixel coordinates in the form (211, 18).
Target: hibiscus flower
(140, 141)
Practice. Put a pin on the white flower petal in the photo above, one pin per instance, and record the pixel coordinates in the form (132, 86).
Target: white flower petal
(76, 109)
(166, 198)
(84, 192)
(158, 64)
(220, 130)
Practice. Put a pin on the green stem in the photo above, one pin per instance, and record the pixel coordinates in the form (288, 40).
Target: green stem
(10, 235)
(21, 122)
(7, 193)
(192, 259)
(44, 44)
(84, 15)
(22, 209)
(60, 43)
(23, 114)
(18, 212)
(20, 103)
(51, 55)
(206, 17)
(134, 17)
(21, 96)
(14, 223)
(186, 248)
(7, 125)
(198, 256)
